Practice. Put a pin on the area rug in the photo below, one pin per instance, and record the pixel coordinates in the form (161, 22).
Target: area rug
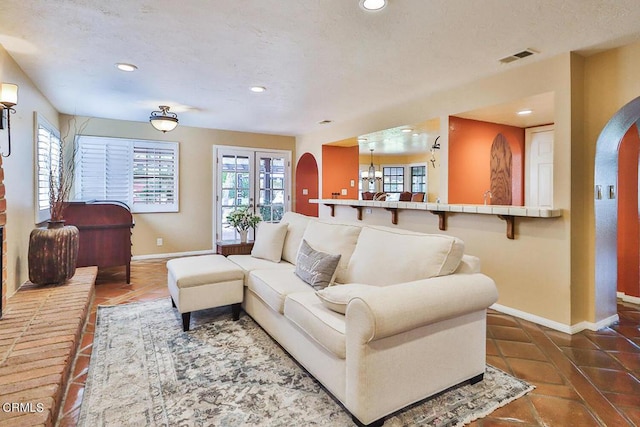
(145, 371)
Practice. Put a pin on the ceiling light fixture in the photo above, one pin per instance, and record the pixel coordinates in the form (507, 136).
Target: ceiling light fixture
(8, 99)
(524, 112)
(126, 67)
(163, 120)
(325, 122)
(372, 174)
(373, 5)
(407, 130)
(258, 89)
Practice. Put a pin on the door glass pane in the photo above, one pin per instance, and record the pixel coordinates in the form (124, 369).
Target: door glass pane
(271, 181)
(236, 181)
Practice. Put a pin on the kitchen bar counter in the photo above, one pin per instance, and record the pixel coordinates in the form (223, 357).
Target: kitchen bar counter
(506, 213)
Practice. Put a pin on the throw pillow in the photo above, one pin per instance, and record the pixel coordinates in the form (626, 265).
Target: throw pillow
(336, 298)
(315, 267)
(269, 241)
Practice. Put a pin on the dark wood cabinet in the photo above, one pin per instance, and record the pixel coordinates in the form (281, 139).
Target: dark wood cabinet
(105, 233)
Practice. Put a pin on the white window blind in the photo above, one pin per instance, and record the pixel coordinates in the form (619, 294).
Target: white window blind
(142, 174)
(48, 152)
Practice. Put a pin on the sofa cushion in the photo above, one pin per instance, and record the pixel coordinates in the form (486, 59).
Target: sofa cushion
(334, 239)
(269, 241)
(316, 268)
(249, 263)
(326, 327)
(336, 298)
(296, 225)
(272, 286)
(386, 257)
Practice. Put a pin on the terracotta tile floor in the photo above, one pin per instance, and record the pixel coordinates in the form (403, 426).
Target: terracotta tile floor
(588, 379)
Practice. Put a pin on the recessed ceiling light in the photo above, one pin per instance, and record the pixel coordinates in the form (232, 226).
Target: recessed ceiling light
(258, 89)
(416, 134)
(407, 130)
(126, 67)
(524, 112)
(373, 4)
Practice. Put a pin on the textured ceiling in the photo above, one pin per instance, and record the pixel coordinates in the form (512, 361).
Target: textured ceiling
(319, 60)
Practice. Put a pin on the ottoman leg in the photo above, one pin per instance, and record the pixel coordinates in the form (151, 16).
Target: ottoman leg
(186, 319)
(235, 310)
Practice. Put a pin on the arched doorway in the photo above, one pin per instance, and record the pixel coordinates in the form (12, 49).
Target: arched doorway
(606, 208)
(307, 185)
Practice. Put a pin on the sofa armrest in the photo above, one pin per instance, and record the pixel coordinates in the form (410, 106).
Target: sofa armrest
(399, 308)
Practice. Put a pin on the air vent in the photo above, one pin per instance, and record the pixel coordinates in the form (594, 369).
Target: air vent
(516, 56)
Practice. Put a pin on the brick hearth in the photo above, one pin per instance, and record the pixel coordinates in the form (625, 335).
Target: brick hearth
(40, 332)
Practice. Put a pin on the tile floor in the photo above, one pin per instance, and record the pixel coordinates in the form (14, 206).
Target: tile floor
(588, 379)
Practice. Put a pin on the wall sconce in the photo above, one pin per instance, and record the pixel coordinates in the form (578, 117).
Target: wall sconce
(163, 120)
(434, 147)
(8, 98)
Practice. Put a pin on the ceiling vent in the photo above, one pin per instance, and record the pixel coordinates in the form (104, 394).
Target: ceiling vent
(516, 56)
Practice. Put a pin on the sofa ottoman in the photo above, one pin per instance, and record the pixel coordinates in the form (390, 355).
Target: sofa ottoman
(207, 281)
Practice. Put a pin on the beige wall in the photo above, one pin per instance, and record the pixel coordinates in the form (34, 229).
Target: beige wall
(533, 272)
(19, 168)
(190, 229)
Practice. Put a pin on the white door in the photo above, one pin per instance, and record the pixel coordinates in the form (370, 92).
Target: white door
(257, 180)
(539, 166)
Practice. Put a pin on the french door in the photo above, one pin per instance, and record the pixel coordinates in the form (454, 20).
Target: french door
(245, 178)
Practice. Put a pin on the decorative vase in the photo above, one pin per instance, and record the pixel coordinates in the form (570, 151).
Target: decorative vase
(53, 252)
(243, 235)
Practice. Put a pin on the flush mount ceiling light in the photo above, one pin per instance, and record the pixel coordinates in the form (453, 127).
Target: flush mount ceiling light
(524, 112)
(126, 67)
(372, 5)
(163, 120)
(407, 130)
(258, 89)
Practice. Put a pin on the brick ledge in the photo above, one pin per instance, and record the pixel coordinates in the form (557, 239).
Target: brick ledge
(40, 332)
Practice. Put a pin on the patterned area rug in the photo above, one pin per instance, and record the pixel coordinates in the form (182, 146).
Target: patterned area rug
(145, 371)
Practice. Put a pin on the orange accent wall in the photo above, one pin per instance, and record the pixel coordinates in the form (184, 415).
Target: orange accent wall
(307, 178)
(628, 228)
(339, 167)
(470, 156)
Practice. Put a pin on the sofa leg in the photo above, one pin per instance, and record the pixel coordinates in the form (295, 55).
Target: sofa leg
(235, 311)
(476, 379)
(376, 423)
(186, 319)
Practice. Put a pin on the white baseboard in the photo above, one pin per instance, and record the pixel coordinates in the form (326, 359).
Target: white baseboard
(173, 254)
(628, 298)
(567, 329)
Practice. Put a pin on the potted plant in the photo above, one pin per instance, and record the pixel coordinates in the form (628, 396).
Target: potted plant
(53, 250)
(242, 219)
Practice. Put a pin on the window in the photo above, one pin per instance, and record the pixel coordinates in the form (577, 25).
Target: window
(393, 179)
(418, 179)
(49, 155)
(142, 174)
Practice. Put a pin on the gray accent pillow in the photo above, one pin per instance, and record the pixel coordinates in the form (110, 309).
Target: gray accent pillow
(314, 267)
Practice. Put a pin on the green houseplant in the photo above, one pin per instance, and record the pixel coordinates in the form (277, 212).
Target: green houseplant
(242, 219)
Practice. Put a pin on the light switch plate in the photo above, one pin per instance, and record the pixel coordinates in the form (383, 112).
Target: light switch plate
(305, 191)
(344, 191)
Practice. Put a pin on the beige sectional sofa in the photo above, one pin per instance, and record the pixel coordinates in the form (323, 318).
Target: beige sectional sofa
(415, 312)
